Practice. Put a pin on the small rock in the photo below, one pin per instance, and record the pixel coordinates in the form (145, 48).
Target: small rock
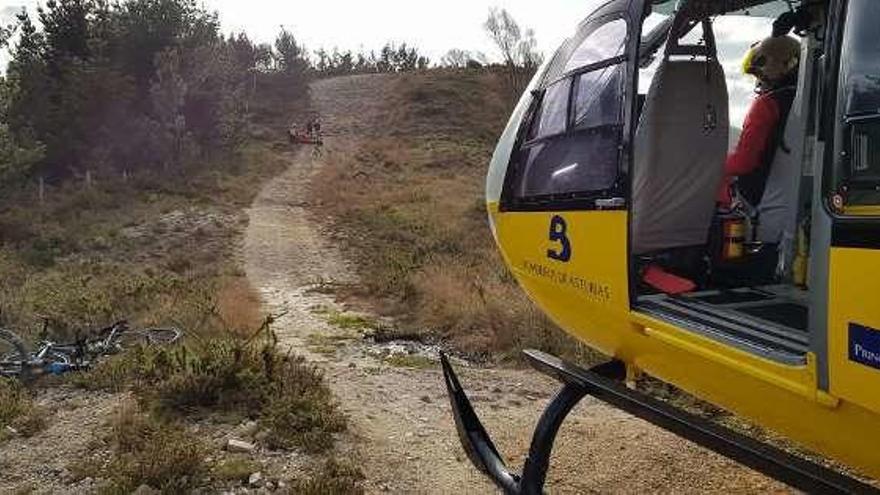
(236, 445)
(145, 490)
(255, 479)
(247, 429)
(261, 436)
(11, 430)
(282, 484)
(270, 486)
(352, 365)
(425, 399)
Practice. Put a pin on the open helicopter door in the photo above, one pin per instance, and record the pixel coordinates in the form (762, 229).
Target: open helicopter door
(556, 190)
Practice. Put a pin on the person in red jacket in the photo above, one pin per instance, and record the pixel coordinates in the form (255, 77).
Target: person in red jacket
(774, 62)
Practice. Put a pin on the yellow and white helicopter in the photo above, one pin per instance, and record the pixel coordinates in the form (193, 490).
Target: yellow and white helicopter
(600, 178)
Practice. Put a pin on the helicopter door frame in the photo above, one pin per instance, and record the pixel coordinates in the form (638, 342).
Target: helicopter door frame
(846, 226)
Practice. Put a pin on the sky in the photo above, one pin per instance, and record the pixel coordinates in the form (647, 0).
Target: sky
(435, 27)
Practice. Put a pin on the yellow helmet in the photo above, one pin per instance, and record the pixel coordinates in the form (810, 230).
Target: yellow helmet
(772, 59)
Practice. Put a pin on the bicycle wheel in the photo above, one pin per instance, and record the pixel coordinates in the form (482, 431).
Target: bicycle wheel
(162, 336)
(14, 356)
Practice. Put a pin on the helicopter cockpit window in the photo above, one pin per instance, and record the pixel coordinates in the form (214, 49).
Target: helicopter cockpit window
(570, 150)
(606, 42)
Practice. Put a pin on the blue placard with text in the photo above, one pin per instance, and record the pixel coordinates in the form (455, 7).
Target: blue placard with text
(864, 345)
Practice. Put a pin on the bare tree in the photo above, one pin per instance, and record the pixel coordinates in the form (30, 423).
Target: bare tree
(529, 58)
(505, 33)
(518, 47)
(456, 58)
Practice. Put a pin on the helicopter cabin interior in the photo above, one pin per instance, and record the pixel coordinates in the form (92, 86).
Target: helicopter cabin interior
(737, 272)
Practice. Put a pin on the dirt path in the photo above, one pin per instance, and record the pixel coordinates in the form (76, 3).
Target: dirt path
(406, 437)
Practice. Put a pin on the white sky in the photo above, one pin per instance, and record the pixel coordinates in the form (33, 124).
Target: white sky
(435, 27)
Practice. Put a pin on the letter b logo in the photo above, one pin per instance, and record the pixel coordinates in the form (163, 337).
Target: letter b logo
(559, 234)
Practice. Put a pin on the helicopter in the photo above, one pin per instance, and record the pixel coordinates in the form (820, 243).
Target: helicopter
(601, 196)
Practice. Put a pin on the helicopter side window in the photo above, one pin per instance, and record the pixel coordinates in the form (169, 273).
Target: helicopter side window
(570, 150)
(552, 115)
(596, 97)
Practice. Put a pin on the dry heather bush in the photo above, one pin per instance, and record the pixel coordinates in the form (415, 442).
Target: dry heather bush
(145, 451)
(18, 411)
(238, 305)
(334, 478)
(411, 211)
(231, 378)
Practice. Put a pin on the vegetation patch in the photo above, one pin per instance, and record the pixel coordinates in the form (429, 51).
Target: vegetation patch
(410, 361)
(18, 413)
(336, 477)
(145, 451)
(349, 321)
(234, 379)
(235, 469)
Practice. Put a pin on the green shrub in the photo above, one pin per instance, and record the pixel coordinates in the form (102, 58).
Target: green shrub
(232, 378)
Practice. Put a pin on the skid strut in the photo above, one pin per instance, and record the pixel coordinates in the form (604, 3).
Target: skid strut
(605, 383)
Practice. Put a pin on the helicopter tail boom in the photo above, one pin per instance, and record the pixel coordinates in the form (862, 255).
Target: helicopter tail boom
(605, 383)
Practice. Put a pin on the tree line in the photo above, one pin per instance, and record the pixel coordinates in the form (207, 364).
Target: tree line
(129, 85)
(95, 85)
(135, 84)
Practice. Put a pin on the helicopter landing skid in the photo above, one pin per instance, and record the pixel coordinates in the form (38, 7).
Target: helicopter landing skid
(605, 383)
